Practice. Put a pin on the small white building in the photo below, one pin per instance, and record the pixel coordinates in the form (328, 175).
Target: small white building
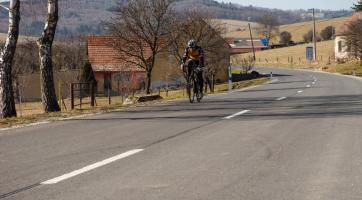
(341, 49)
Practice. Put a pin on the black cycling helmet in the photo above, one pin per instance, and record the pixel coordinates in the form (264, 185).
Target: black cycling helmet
(192, 43)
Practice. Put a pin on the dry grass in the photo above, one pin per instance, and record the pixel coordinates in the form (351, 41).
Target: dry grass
(21, 38)
(297, 30)
(32, 112)
(350, 68)
(295, 57)
(236, 27)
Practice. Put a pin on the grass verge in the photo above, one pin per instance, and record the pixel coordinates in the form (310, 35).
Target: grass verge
(171, 95)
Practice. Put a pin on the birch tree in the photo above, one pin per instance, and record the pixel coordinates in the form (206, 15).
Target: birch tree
(45, 43)
(7, 103)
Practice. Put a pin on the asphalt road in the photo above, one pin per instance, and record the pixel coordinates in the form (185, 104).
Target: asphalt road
(297, 138)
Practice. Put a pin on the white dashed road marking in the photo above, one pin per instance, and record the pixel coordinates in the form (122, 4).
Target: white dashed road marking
(300, 91)
(237, 114)
(281, 98)
(91, 167)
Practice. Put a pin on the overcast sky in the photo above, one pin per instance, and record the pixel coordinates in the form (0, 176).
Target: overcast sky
(296, 4)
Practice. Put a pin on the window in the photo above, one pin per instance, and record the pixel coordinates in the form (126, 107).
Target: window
(339, 46)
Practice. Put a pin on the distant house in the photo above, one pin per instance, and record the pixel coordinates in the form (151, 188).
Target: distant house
(108, 68)
(111, 72)
(244, 45)
(341, 49)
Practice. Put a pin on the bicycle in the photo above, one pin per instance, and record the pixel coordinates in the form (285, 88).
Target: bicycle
(193, 85)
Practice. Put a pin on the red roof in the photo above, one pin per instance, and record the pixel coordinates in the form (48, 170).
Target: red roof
(103, 57)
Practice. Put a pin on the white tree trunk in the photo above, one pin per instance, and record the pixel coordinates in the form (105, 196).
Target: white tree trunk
(7, 102)
(45, 43)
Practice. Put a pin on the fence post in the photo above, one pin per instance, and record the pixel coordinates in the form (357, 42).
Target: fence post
(109, 94)
(60, 95)
(118, 87)
(80, 95)
(92, 94)
(72, 96)
(122, 93)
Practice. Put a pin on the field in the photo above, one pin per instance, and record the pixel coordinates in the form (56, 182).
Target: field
(295, 56)
(2, 37)
(236, 27)
(297, 30)
(21, 38)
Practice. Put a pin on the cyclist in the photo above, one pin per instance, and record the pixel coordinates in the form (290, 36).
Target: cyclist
(194, 56)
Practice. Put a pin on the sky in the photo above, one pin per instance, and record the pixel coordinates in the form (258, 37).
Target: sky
(297, 4)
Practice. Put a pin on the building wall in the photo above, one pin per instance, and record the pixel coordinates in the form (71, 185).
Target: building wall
(119, 80)
(340, 48)
(29, 84)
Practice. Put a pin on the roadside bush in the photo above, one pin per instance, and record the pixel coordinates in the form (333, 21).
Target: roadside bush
(308, 37)
(247, 64)
(285, 37)
(328, 33)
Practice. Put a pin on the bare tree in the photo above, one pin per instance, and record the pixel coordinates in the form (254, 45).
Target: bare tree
(353, 38)
(141, 29)
(45, 43)
(246, 64)
(7, 102)
(201, 26)
(270, 26)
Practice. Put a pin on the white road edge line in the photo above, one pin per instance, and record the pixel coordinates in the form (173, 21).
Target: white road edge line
(91, 167)
(281, 98)
(300, 91)
(237, 114)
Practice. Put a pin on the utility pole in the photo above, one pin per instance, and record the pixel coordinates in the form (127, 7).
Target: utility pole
(314, 38)
(252, 41)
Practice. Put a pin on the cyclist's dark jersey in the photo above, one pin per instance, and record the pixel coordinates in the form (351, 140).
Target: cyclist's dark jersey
(197, 54)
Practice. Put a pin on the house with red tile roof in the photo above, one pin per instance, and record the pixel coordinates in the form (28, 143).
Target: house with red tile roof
(108, 68)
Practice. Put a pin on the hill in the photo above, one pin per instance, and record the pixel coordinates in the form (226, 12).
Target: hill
(294, 57)
(82, 17)
(297, 29)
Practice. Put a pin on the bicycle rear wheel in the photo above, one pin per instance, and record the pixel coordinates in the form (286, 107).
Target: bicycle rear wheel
(198, 93)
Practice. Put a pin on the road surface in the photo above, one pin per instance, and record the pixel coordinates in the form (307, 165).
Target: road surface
(299, 137)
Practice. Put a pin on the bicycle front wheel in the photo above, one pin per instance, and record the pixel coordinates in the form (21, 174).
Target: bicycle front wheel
(191, 89)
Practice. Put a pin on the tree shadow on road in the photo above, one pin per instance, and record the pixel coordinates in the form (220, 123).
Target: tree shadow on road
(261, 109)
